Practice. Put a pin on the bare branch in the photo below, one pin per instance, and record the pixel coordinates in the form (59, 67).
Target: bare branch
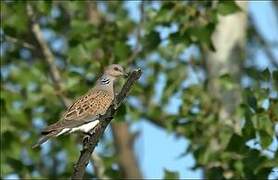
(48, 56)
(19, 42)
(89, 146)
(93, 14)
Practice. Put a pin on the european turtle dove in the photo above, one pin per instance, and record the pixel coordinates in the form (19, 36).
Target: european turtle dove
(83, 113)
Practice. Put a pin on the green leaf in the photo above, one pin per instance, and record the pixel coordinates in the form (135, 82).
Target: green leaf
(275, 78)
(44, 6)
(152, 40)
(275, 75)
(121, 112)
(265, 124)
(201, 33)
(236, 144)
(266, 74)
(202, 155)
(227, 7)
(273, 110)
(265, 139)
(15, 163)
(251, 99)
(227, 81)
(78, 54)
(252, 72)
(121, 50)
(170, 174)
(248, 131)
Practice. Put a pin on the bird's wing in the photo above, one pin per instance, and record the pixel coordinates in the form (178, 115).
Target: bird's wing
(83, 110)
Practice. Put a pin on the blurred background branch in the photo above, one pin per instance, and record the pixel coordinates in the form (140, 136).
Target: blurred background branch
(17, 41)
(48, 56)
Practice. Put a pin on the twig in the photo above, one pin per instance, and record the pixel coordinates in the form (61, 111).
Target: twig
(48, 56)
(17, 41)
(89, 146)
(137, 48)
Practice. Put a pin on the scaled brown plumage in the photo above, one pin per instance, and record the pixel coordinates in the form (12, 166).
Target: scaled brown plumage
(82, 115)
(83, 110)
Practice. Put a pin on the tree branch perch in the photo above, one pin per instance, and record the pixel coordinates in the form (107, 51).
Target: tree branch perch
(89, 146)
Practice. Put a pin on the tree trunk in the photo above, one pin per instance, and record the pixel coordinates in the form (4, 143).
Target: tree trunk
(229, 42)
(123, 140)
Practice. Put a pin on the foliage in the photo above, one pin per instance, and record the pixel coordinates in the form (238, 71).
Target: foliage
(29, 100)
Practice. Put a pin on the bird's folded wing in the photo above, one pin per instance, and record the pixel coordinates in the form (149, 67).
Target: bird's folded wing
(83, 110)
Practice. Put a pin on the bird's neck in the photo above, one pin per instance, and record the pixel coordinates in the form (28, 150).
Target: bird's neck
(106, 82)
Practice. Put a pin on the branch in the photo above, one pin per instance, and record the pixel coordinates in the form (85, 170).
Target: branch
(93, 14)
(48, 56)
(19, 42)
(90, 144)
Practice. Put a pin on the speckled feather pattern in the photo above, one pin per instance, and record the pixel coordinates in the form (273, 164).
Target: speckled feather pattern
(83, 113)
(84, 109)
(93, 103)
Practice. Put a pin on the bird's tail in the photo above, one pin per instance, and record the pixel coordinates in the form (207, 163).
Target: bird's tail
(44, 138)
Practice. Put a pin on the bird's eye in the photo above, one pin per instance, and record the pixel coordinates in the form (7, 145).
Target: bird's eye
(116, 69)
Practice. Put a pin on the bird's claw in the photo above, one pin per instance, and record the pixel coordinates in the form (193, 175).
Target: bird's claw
(86, 138)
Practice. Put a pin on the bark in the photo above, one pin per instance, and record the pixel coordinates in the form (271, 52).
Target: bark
(93, 14)
(229, 42)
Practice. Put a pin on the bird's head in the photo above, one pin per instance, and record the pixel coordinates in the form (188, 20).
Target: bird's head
(115, 70)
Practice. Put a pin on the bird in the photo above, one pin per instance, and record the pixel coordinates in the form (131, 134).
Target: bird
(82, 115)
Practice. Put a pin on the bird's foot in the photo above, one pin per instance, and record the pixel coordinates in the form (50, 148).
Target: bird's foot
(86, 138)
